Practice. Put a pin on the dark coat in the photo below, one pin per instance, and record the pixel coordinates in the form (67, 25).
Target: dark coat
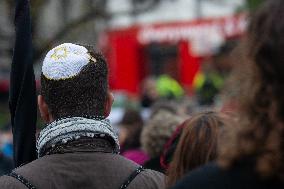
(6, 165)
(213, 177)
(154, 164)
(92, 165)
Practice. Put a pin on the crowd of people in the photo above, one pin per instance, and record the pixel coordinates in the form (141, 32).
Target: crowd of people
(240, 147)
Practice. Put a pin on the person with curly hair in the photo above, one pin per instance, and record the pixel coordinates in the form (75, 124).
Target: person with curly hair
(253, 154)
(156, 132)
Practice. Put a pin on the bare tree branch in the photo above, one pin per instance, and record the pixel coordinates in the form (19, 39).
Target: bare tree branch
(142, 6)
(96, 10)
(70, 26)
(94, 13)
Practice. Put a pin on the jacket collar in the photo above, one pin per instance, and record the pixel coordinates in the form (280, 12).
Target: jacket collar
(66, 130)
(85, 144)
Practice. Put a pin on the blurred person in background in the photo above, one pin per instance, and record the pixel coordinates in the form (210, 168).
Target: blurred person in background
(209, 81)
(253, 154)
(178, 108)
(6, 150)
(130, 128)
(222, 60)
(169, 88)
(207, 84)
(6, 164)
(7, 141)
(149, 93)
(195, 143)
(78, 148)
(155, 134)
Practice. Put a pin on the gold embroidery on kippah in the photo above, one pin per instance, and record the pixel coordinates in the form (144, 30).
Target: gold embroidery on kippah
(92, 58)
(58, 53)
(63, 52)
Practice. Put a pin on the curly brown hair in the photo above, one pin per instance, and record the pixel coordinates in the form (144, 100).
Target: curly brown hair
(260, 136)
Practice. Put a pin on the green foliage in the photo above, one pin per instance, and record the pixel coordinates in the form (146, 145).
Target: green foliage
(253, 4)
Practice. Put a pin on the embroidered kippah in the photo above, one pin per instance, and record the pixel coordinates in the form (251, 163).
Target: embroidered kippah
(65, 61)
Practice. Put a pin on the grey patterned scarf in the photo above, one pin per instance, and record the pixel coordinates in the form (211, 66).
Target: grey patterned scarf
(70, 129)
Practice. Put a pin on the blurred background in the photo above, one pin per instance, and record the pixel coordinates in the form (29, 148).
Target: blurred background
(158, 50)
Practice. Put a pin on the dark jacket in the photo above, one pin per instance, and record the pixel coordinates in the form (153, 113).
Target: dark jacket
(213, 177)
(6, 164)
(154, 164)
(83, 165)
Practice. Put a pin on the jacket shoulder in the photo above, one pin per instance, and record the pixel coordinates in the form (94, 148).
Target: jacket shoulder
(215, 177)
(149, 179)
(208, 176)
(7, 182)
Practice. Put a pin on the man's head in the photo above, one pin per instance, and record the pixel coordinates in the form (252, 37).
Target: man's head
(74, 82)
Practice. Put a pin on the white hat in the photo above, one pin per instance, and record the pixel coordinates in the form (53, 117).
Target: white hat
(65, 61)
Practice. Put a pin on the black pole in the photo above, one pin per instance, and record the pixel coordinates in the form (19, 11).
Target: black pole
(22, 96)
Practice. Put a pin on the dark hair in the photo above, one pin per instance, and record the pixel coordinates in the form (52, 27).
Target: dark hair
(133, 123)
(260, 135)
(197, 144)
(82, 95)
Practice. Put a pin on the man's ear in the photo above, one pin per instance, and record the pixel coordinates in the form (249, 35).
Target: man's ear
(44, 111)
(108, 104)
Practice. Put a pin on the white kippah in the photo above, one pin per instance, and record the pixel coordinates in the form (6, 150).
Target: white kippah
(65, 61)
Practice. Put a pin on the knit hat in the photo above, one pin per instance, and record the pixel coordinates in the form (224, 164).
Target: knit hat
(65, 61)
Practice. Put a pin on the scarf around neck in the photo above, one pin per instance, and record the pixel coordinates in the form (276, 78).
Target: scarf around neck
(73, 128)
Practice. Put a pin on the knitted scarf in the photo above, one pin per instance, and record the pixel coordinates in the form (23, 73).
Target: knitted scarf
(73, 128)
